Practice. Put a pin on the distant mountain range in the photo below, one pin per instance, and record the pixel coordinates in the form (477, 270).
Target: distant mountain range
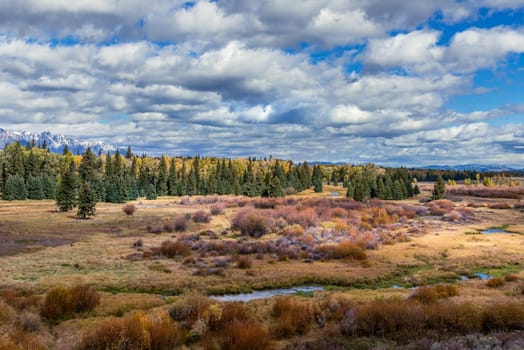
(55, 142)
(473, 167)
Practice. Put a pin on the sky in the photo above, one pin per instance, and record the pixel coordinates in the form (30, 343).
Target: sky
(395, 83)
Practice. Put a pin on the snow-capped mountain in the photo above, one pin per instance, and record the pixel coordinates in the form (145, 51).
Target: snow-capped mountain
(55, 142)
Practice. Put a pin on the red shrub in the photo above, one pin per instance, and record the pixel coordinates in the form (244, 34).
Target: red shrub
(250, 222)
(129, 209)
(181, 223)
(217, 209)
(240, 335)
(201, 216)
(291, 317)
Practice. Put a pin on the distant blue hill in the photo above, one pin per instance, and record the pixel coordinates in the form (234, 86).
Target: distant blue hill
(481, 168)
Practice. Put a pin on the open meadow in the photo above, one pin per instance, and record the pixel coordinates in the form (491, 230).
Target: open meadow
(389, 274)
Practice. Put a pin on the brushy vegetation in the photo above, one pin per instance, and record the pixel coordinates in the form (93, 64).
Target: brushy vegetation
(60, 302)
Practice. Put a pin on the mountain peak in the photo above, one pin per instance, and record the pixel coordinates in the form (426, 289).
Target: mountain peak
(55, 142)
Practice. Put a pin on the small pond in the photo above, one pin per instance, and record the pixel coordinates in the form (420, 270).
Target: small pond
(262, 294)
(490, 231)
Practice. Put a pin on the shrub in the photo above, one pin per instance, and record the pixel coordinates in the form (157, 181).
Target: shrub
(265, 203)
(172, 249)
(251, 223)
(495, 282)
(168, 227)
(511, 277)
(60, 302)
(293, 231)
(201, 216)
(188, 310)
(499, 205)
(217, 209)
(291, 317)
(244, 262)
(57, 304)
(84, 298)
(181, 223)
(348, 249)
(240, 335)
(428, 295)
(129, 209)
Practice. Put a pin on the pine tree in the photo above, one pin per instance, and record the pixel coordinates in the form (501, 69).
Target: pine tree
(439, 189)
(172, 180)
(162, 178)
(151, 192)
(87, 167)
(35, 187)
(14, 188)
(86, 201)
(317, 179)
(129, 153)
(66, 195)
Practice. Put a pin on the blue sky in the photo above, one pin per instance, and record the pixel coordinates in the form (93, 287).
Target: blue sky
(390, 82)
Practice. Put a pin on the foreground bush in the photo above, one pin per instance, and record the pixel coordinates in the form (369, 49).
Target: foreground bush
(60, 302)
(201, 216)
(174, 249)
(136, 331)
(404, 320)
(291, 317)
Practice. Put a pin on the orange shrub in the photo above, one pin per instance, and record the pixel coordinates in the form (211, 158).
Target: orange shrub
(57, 304)
(291, 317)
(172, 249)
(244, 262)
(84, 298)
(511, 277)
(495, 282)
(240, 335)
(129, 209)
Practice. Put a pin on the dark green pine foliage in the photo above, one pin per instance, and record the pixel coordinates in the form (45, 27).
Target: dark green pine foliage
(151, 192)
(49, 186)
(439, 189)
(129, 153)
(162, 184)
(317, 178)
(416, 190)
(86, 201)
(88, 165)
(67, 190)
(35, 187)
(14, 156)
(172, 179)
(14, 188)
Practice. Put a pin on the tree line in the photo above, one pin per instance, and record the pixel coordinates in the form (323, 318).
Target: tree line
(33, 172)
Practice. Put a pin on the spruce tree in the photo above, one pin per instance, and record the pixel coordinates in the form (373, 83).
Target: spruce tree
(86, 201)
(317, 178)
(172, 180)
(66, 195)
(35, 187)
(161, 188)
(14, 188)
(439, 189)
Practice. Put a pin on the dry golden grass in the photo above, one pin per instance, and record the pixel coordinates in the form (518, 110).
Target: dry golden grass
(101, 246)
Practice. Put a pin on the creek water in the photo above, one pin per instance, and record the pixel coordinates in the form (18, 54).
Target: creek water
(262, 294)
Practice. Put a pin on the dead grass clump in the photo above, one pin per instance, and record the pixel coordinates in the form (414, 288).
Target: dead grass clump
(181, 223)
(440, 207)
(20, 300)
(201, 216)
(240, 335)
(129, 209)
(499, 205)
(244, 262)
(495, 282)
(348, 249)
(510, 277)
(251, 223)
(172, 249)
(154, 229)
(503, 316)
(292, 231)
(338, 212)
(291, 317)
(426, 295)
(217, 209)
(265, 203)
(164, 332)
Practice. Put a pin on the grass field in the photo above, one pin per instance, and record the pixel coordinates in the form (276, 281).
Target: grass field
(358, 253)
